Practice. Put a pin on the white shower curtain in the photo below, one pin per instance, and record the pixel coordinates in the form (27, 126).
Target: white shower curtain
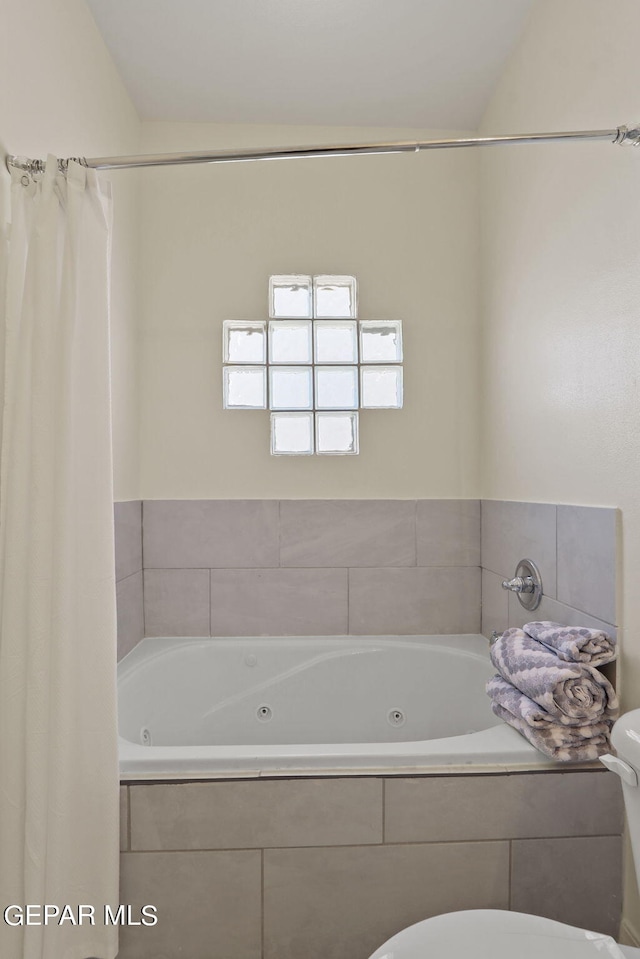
(58, 740)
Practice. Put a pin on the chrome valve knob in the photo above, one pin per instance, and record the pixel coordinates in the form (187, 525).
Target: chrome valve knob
(519, 584)
(526, 584)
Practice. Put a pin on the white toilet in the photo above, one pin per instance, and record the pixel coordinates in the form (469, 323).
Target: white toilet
(498, 934)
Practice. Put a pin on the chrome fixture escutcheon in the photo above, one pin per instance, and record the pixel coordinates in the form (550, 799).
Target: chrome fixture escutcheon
(526, 584)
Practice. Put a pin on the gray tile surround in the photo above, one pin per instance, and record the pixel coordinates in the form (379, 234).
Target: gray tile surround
(130, 607)
(448, 532)
(129, 586)
(248, 815)
(209, 904)
(575, 548)
(427, 599)
(277, 869)
(587, 559)
(176, 602)
(124, 818)
(501, 609)
(331, 567)
(342, 903)
(279, 602)
(348, 533)
(554, 878)
(513, 531)
(495, 604)
(128, 538)
(210, 534)
(558, 613)
(311, 567)
(507, 807)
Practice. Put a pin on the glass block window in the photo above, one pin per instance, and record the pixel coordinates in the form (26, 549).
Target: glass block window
(381, 341)
(290, 341)
(292, 434)
(337, 432)
(381, 387)
(290, 388)
(313, 364)
(334, 296)
(336, 387)
(290, 296)
(335, 341)
(245, 343)
(245, 388)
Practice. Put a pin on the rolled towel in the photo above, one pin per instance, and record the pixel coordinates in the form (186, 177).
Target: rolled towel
(563, 743)
(573, 694)
(520, 706)
(575, 644)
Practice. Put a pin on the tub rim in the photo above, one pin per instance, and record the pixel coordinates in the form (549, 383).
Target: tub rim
(497, 748)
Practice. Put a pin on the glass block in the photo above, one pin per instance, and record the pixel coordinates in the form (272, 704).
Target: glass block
(381, 341)
(336, 341)
(290, 341)
(381, 387)
(290, 388)
(244, 387)
(244, 342)
(336, 387)
(335, 296)
(291, 434)
(337, 433)
(290, 296)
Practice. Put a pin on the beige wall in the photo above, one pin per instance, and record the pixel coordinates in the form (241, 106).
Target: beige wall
(60, 93)
(406, 226)
(561, 283)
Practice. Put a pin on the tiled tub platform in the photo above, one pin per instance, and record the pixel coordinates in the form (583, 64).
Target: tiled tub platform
(330, 868)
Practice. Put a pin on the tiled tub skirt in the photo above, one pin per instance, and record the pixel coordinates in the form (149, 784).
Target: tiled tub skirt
(290, 868)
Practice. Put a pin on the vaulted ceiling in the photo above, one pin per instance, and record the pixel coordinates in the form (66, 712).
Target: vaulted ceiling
(421, 63)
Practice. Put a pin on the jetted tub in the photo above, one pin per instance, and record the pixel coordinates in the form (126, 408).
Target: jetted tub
(213, 708)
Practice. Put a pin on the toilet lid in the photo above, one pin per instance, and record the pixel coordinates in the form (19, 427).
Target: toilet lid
(496, 934)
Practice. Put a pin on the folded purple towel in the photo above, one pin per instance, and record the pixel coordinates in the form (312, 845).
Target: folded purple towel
(572, 694)
(520, 706)
(576, 644)
(563, 743)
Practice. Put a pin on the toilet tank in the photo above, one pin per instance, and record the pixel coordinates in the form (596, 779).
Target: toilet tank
(625, 738)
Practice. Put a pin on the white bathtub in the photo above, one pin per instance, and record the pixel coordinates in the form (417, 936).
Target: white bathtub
(213, 708)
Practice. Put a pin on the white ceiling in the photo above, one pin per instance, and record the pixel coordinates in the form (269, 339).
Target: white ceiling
(422, 63)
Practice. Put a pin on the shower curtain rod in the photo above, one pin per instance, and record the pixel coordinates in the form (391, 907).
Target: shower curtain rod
(621, 134)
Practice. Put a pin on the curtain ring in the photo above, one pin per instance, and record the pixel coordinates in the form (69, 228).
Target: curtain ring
(25, 180)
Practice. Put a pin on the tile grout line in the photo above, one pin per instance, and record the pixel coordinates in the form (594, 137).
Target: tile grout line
(123, 579)
(481, 567)
(555, 510)
(510, 872)
(142, 534)
(128, 818)
(262, 903)
(384, 809)
(144, 612)
(279, 534)
(495, 573)
(396, 843)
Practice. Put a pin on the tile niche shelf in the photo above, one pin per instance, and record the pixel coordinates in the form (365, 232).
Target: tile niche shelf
(313, 365)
